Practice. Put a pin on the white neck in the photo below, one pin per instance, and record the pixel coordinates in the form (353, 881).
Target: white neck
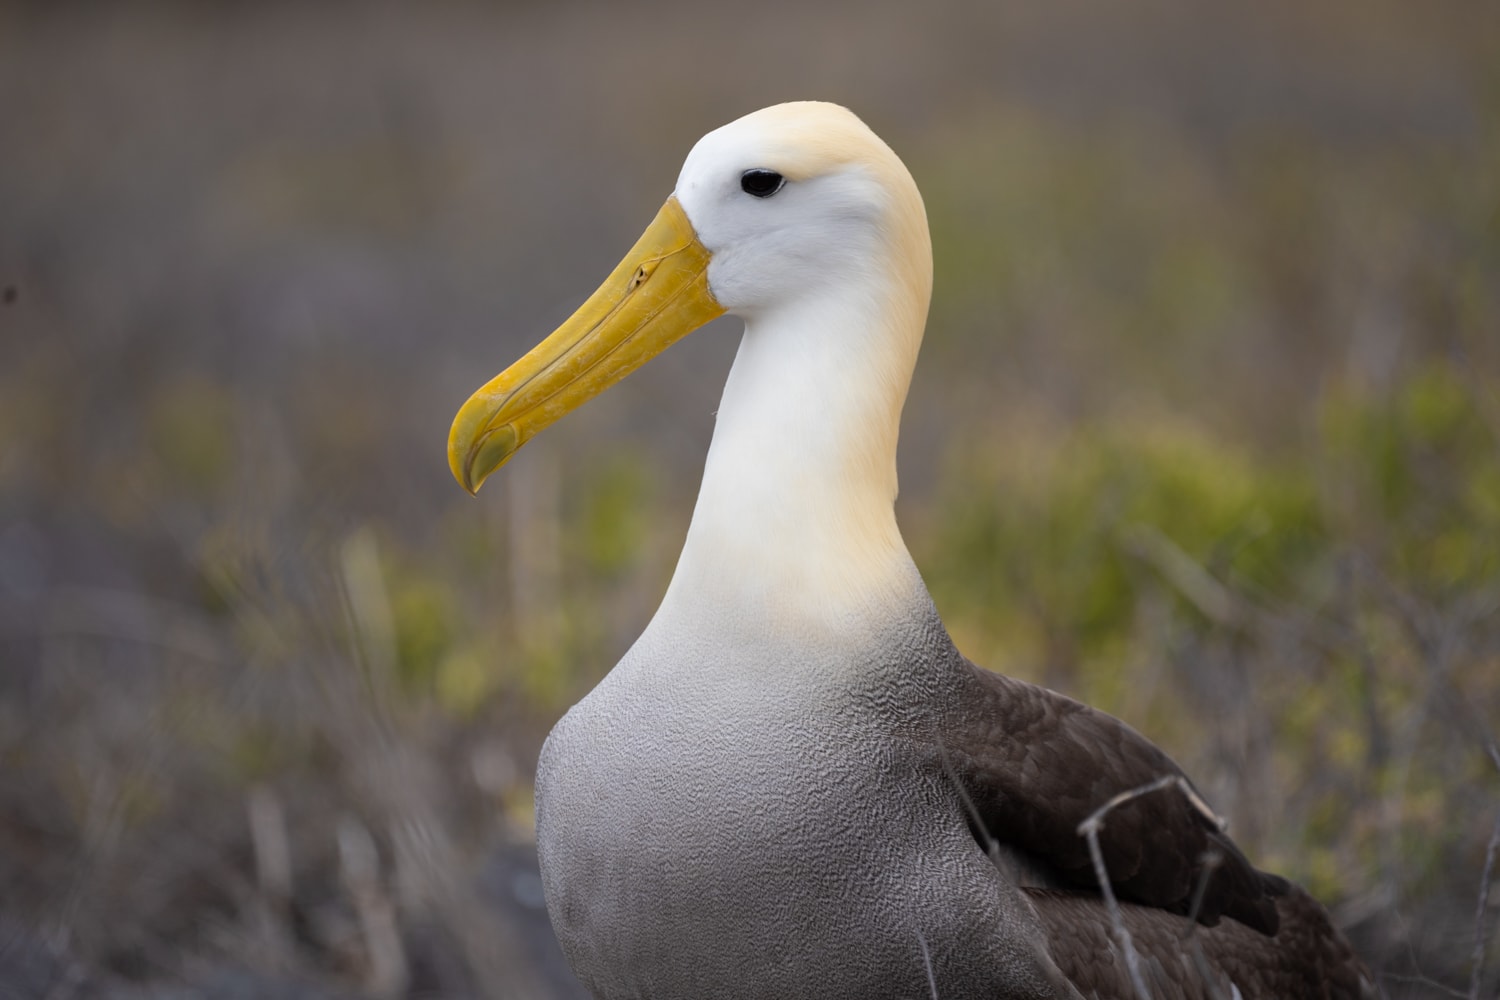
(795, 522)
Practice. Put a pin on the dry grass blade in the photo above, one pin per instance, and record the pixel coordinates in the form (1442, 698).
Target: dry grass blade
(1211, 862)
(1090, 828)
(388, 970)
(1194, 582)
(1481, 906)
(932, 989)
(991, 845)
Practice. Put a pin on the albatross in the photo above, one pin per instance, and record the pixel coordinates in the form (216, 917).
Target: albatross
(793, 784)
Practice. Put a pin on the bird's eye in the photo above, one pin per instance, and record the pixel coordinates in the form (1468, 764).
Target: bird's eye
(761, 183)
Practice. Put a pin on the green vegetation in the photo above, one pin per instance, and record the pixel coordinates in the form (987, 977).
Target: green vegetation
(1348, 583)
(1206, 432)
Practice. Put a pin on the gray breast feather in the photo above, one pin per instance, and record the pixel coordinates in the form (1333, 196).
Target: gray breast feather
(790, 839)
(743, 819)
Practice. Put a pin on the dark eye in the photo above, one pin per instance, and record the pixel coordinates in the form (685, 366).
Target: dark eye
(761, 183)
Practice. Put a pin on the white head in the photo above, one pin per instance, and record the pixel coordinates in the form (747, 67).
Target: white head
(802, 221)
(844, 210)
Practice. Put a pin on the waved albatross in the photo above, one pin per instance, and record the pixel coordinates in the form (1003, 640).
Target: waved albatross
(793, 784)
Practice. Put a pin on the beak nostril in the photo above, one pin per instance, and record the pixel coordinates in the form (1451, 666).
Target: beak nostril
(641, 274)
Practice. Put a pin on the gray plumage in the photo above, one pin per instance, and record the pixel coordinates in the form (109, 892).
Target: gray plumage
(735, 813)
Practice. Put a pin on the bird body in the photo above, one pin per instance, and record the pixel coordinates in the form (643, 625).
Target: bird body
(665, 769)
(793, 784)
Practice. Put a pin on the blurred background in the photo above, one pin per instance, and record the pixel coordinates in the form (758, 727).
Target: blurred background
(1206, 433)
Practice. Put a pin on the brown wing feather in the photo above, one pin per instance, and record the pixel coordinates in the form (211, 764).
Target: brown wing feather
(1037, 763)
(1307, 960)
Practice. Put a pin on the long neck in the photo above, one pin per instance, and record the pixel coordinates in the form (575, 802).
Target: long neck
(795, 520)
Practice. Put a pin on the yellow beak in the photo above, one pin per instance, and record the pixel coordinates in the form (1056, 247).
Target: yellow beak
(656, 296)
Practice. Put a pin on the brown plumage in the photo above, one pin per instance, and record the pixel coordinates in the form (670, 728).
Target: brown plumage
(1034, 764)
(1306, 958)
(1037, 763)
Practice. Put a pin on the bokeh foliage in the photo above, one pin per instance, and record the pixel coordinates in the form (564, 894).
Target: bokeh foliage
(1206, 432)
